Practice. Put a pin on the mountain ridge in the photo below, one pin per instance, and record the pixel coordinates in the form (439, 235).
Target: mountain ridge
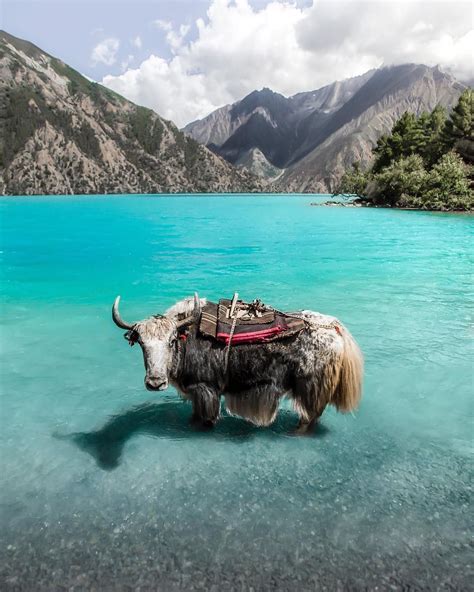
(63, 134)
(317, 135)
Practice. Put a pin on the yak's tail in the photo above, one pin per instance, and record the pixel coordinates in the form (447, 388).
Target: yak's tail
(347, 393)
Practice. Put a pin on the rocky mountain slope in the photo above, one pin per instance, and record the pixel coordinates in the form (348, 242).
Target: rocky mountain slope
(313, 137)
(62, 134)
(255, 162)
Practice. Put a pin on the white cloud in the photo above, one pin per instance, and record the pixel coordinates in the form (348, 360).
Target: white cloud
(427, 31)
(105, 52)
(173, 37)
(163, 25)
(291, 48)
(137, 42)
(125, 63)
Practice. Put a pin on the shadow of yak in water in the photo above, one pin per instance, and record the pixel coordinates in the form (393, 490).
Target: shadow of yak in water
(169, 420)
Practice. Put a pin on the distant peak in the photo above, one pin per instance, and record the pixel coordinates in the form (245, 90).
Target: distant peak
(413, 66)
(264, 92)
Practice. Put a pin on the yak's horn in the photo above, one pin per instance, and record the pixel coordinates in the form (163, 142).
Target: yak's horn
(117, 318)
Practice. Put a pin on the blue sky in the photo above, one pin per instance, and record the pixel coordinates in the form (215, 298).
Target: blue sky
(70, 29)
(185, 58)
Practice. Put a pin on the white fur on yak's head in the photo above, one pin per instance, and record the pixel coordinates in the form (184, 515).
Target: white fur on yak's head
(157, 337)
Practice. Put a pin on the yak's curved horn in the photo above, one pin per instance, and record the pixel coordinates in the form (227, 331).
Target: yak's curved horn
(117, 318)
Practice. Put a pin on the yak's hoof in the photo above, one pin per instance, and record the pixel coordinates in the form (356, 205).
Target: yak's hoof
(199, 422)
(305, 429)
(195, 420)
(208, 423)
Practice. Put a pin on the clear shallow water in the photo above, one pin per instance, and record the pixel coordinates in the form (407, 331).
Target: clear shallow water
(139, 498)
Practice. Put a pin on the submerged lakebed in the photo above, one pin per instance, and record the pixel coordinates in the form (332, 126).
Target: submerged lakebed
(140, 499)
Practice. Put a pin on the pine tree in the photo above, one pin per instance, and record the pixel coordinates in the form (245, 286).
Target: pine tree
(407, 138)
(434, 146)
(383, 153)
(458, 132)
(415, 135)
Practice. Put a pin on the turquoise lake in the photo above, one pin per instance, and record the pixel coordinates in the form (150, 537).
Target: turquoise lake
(139, 499)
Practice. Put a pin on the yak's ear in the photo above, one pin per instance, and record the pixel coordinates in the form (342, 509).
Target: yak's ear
(197, 308)
(131, 336)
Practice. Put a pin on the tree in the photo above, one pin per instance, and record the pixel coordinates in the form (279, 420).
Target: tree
(458, 132)
(415, 138)
(424, 162)
(383, 153)
(434, 126)
(353, 182)
(400, 183)
(407, 137)
(447, 186)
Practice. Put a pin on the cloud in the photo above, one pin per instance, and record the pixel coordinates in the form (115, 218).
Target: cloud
(105, 52)
(163, 25)
(292, 48)
(125, 63)
(430, 32)
(173, 37)
(137, 42)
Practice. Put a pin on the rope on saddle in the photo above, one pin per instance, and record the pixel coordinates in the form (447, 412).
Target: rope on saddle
(227, 347)
(332, 325)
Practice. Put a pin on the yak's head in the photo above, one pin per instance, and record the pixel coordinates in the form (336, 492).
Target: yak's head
(157, 337)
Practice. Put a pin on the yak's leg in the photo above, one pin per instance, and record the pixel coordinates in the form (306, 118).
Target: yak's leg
(309, 403)
(306, 425)
(206, 403)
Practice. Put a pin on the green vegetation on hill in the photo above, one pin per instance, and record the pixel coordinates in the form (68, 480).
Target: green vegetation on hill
(19, 121)
(426, 162)
(61, 133)
(146, 128)
(25, 111)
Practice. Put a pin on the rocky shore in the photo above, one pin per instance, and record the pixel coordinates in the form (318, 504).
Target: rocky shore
(361, 203)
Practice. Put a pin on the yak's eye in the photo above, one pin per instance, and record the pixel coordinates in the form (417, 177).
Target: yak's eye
(173, 340)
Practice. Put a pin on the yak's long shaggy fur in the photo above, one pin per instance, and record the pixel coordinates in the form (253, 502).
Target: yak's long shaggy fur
(260, 407)
(346, 395)
(150, 329)
(320, 366)
(339, 373)
(184, 308)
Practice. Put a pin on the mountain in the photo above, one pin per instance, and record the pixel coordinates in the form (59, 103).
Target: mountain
(269, 121)
(255, 162)
(60, 133)
(313, 137)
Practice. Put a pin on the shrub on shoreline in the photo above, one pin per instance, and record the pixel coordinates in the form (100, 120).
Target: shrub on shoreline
(425, 163)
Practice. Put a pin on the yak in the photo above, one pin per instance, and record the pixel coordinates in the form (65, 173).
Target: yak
(321, 365)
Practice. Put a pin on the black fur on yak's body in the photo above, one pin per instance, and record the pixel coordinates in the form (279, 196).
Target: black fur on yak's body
(319, 366)
(257, 376)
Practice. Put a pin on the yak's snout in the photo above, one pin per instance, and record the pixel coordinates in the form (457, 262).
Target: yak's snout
(156, 384)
